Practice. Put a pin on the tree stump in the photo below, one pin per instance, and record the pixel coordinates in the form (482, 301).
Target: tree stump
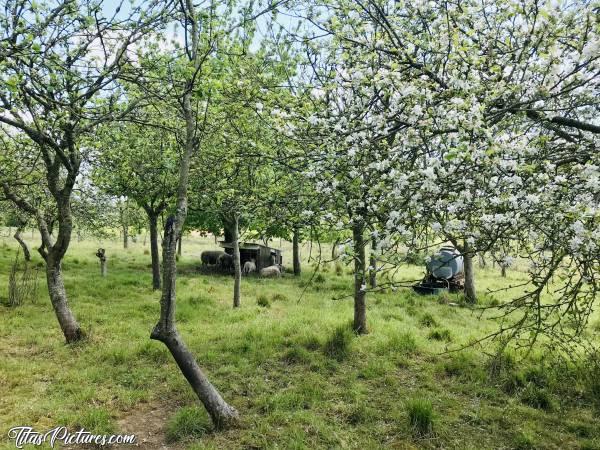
(101, 254)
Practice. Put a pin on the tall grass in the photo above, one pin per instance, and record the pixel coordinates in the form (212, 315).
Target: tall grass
(339, 342)
(22, 282)
(420, 416)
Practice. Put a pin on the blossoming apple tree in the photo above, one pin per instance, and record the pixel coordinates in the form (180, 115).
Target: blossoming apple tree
(430, 115)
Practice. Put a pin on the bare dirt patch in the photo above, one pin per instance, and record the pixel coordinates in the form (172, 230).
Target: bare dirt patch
(148, 422)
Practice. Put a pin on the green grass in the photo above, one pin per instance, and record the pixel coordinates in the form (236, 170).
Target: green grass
(298, 375)
(427, 320)
(263, 301)
(440, 334)
(190, 422)
(339, 343)
(420, 416)
(537, 397)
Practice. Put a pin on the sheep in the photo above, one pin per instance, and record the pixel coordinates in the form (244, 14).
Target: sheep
(271, 271)
(249, 266)
(225, 261)
(210, 257)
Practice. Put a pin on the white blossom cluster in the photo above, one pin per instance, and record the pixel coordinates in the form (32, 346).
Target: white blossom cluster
(461, 130)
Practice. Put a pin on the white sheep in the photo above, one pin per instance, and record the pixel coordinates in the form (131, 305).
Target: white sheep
(249, 266)
(271, 271)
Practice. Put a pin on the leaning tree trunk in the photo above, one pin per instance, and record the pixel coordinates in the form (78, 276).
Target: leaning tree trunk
(165, 331)
(58, 296)
(23, 244)
(470, 294)
(296, 251)
(237, 269)
(153, 220)
(373, 264)
(360, 293)
(222, 414)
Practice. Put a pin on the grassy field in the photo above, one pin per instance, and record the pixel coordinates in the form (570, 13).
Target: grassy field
(286, 360)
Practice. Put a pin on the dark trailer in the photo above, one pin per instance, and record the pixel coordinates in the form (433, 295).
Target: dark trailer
(263, 255)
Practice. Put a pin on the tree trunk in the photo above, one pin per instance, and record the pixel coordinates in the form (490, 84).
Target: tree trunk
(58, 296)
(373, 264)
(153, 220)
(179, 245)
(296, 251)
(222, 414)
(334, 252)
(125, 237)
(360, 294)
(482, 263)
(51, 250)
(503, 271)
(470, 294)
(236, 263)
(227, 229)
(23, 244)
(53, 253)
